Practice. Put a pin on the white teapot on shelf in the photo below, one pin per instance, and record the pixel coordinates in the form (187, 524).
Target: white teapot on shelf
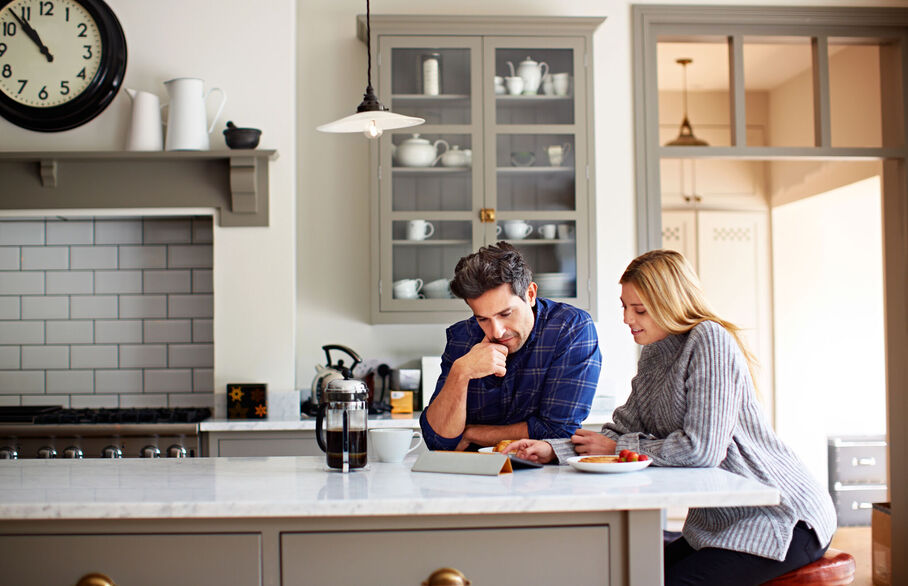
(419, 152)
(531, 72)
(454, 157)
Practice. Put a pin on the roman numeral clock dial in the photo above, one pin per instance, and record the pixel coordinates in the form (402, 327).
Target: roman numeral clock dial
(61, 62)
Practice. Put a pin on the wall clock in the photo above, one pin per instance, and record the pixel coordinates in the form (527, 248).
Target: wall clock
(61, 62)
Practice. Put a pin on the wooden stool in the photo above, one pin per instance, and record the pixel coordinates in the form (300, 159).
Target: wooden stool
(834, 568)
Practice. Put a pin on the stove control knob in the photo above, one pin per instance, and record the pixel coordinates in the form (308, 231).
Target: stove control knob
(47, 452)
(176, 451)
(111, 452)
(74, 452)
(151, 452)
(8, 453)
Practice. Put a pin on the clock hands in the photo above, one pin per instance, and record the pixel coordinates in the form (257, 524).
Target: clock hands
(33, 35)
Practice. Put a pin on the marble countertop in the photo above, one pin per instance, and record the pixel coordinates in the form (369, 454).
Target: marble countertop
(303, 487)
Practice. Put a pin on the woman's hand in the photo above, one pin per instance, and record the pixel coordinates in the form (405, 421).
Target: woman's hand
(588, 442)
(532, 450)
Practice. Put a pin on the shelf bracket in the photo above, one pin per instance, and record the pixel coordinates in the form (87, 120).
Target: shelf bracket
(49, 172)
(243, 192)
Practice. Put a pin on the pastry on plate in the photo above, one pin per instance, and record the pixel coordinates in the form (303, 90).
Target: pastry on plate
(600, 459)
(501, 445)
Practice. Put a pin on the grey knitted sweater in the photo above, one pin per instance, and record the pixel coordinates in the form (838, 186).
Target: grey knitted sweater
(693, 404)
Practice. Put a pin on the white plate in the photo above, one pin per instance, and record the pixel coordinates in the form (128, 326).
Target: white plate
(487, 450)
(607, 467)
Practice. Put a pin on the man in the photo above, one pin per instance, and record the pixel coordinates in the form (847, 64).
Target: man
(521, 367)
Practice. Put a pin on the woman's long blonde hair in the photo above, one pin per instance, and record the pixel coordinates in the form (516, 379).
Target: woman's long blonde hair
(671, 292)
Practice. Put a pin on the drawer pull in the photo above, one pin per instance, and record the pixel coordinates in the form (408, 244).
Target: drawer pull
(871, 461)
(446, 577)
(855, 505)
(95, 579)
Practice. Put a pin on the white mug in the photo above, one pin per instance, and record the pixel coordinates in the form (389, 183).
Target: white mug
(407, 288)
(391, 444)
(419, 229)
(515, 85)
(548, 85)
(437, 289)
(548, 231)
(516, 229)
(561, 83)
(557, 152)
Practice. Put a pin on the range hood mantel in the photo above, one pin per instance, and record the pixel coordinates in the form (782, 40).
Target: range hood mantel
(234, 182)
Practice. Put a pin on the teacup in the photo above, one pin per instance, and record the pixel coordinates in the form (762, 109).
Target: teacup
(523, 159)
(499, 85)
(561, 83)
(557, 152)
(548, 85)
(407, 288)
(516, 229)
(515, 85)
(437, 289)
(391, 444)
(419, 229)
(548, 231)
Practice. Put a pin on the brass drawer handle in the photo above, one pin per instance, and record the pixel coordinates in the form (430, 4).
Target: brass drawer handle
(487, 215)
(446, 577)
(96, 579)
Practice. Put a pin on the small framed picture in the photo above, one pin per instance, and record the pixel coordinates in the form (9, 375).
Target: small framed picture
(247, 401)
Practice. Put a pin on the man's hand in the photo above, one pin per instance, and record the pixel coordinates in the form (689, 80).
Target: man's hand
(483, 359)
(588, 442)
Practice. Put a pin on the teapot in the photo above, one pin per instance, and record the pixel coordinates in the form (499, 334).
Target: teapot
(187, 120)
(454, 157)
(532, 74)
(419, 152)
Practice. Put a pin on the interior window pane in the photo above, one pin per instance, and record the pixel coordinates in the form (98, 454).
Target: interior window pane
(705, 63)
(854, 93)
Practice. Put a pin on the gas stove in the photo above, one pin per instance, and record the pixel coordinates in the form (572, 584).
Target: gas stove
(54, 432)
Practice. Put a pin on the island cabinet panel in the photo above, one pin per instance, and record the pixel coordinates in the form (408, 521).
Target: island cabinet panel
(500, 556)
(261, 443)
(134, 560)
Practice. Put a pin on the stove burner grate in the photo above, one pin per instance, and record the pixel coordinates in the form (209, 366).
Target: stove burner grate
(123, 416)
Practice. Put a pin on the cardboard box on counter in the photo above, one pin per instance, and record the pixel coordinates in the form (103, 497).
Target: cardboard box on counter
(881, 539)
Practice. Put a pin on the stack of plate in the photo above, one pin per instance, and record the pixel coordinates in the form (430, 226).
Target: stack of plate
(555, 284)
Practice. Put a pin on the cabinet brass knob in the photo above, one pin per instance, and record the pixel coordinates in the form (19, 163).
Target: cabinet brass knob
(95, 579)
(487, 215)
(446, 577)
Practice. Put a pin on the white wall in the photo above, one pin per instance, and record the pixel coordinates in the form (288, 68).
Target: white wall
(829, 354)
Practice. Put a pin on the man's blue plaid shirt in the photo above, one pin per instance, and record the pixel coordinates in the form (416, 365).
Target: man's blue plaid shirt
(550, 381)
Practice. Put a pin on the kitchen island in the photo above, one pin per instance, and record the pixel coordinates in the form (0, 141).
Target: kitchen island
(287, 521)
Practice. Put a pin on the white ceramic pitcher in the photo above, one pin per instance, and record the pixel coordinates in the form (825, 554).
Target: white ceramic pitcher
(187, 121)
(145, 130)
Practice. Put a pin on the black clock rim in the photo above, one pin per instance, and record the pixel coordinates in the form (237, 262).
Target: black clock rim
(100, 92)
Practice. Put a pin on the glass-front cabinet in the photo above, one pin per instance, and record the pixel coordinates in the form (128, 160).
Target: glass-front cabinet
(504, 155)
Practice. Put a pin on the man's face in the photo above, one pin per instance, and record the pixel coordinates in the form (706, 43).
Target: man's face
(504, 317)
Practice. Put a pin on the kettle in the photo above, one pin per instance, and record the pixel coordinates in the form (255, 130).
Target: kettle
(326, 374)
(341, 425)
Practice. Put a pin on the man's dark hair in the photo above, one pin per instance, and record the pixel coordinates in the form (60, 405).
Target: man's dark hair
(490, 267)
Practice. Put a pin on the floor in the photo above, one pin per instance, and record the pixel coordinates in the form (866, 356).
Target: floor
(856, 541)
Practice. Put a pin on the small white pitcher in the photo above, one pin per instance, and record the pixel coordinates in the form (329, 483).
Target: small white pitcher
(187, 121)
(145, 130)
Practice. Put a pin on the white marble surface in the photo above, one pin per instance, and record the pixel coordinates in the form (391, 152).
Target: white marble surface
(303, 487)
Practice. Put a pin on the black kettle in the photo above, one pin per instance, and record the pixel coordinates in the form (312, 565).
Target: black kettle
(327, 373)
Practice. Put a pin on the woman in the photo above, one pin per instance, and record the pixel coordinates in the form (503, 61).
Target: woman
(693, 404)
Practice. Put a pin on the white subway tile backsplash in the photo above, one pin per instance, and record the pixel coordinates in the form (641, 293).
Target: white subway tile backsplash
(167, 231)
(189, 256)
(43, 258)
(143, 356)
(70, 232)
(50, 307)
(95, 401)
(18, 233)
(9, 258)
(70, 381)
(121, 331)
(202, 281)
(192, 355)
(21, 332)
(15, 283)
(70, 332)
(118, 231)
(168, 281)
(21, 382)
(118, 282)
(93, 356)
(139, 306)
(45, 357)
(202, 230)
(70, 282)
(191, 400)
(143, 400)
(190, 306)
(203, 331)
(9, 307)
(119, 381)
(93, 257)
(168, 381)
(59, 400)
(168, 330)
(93, 306)
(10, 400)
(143, 257)
(9, 357)
(202, 380)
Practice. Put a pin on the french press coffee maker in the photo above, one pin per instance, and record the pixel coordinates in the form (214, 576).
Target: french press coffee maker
(341, 424)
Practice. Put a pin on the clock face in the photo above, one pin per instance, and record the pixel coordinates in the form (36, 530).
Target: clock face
(61, 61)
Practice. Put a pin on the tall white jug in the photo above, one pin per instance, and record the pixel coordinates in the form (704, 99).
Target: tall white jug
(145, 130)
(187, 121)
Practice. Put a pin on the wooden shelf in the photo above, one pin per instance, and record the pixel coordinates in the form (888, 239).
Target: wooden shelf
(532, 170)
(429, 242)
(233, 181)
(428, 170)
(426, 98)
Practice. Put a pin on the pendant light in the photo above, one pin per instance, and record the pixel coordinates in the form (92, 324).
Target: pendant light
(686, 133)
(372, 118)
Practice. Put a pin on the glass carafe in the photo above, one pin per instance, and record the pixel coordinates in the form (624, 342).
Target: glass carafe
(341, 427)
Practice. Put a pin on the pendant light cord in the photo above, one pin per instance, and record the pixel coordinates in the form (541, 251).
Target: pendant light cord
(368, 47)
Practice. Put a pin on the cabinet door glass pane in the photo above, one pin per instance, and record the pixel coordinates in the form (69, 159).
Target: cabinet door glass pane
(422, 267)
(855, 93)
(432, 172)
(431, 83)
(535, 172)
(534, 86)
(550, 249)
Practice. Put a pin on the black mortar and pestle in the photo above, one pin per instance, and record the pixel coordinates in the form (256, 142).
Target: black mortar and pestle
(241, 138)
